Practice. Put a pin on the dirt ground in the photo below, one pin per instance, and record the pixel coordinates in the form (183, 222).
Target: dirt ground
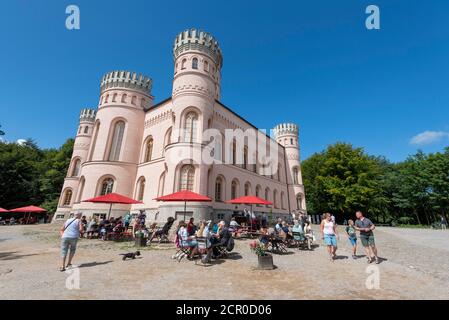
(415, 265)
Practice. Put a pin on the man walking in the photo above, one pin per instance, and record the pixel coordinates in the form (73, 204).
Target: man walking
(70, 234)
(366, 227)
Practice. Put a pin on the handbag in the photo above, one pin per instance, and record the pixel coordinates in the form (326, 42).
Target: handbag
(61, 231)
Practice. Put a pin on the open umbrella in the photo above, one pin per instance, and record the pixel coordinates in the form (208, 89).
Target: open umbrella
(250, 200)
(29, 210)
(185, 196)
(3, 210)
(112, 198)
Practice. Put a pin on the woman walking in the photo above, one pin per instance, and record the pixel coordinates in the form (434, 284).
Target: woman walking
(329, 235)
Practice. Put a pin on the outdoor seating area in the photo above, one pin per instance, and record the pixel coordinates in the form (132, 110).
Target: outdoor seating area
(23, 215)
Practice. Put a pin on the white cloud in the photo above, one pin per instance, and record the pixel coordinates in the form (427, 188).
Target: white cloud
(429, 137)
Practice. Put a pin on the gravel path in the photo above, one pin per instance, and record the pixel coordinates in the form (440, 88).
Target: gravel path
(416, 266)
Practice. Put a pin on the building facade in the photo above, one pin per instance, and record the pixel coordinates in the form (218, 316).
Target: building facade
(142, 150)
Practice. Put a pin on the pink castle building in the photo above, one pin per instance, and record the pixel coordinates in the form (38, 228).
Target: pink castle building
(191, 140)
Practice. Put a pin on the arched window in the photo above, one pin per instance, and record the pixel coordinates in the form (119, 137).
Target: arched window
(80, 189)
(190, 127)
(106, 99)
(142, 102)
(247, 189)
(114, 97)
(275, 198)
(218, 148)
(183, 64)
(124, 97)
(94, 140)
(148, 150)
(76, 168)
(219, 189)
(194, 63)
(234, 153)
(299, 201)
(67, 197)
(187, 177)
(245, 158)
(206, 66)
(279, 172)
(160, 192)
(295, 175)
(116, 143)
(79, 129)
(106, 186)
(282, 200)
(258, 191)
(133, 100)
(234, 189)
(267, 194)
(141, 189)
(167, 138)
(86, 129)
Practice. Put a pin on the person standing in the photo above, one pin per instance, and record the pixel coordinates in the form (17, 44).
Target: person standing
(365, 226)
(352, 236)
(70, 234)
(329, 235)
(443, 223)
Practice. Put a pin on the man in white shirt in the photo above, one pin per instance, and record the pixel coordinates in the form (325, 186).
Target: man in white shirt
(70, 235)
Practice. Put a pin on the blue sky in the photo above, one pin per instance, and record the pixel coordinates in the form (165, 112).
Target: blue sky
(309, 62)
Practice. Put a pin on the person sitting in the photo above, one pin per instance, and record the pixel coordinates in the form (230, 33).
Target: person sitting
(186, 240)
(278, 226)
(91, 227)
(84, 223)
(162, 231)
(285, 231)
(233, 226)
(264, 238)
(220, 238)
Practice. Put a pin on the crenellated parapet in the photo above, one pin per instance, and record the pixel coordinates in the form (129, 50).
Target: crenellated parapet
(284, 129)
(197, 40)
(126, 80)
(88, 115)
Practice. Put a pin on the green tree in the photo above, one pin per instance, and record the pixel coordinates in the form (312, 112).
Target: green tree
(341, 180)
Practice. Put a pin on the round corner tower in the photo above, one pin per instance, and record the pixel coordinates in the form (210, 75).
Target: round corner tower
(79, 157)
(196, 86)
(287, 135)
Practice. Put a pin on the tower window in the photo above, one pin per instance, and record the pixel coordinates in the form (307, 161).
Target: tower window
(183, 64)
(194, 63)
(190, 127)
(218, 189)
(141, 189)
(116, 143)
(67, 197)
(148, 150)
(295, 175)
(234, 189)
(76, 168)
(206, 66)
(106, 186)
(187, 178)
(86, 129)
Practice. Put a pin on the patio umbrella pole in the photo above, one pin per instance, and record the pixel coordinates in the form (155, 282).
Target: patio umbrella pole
(185, 209)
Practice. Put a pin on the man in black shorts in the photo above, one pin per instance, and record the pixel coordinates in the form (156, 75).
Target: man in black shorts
(366, 227)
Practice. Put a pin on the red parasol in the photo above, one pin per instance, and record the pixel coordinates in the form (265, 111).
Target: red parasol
(112, 198)
(250, 200)
(28, 209)
(186, 196)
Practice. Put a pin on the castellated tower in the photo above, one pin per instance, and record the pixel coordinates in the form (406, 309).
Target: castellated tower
(113, 154)
(287, 134)
(79, 157)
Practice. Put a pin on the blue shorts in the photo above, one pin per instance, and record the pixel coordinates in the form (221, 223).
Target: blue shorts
(330, 240)
(67, 243)
(192, 243)
(353, 241)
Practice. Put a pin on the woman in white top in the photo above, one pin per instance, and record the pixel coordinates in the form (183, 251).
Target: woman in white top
(329, 234)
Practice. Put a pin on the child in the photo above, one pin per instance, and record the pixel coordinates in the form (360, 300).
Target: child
(352, 236)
